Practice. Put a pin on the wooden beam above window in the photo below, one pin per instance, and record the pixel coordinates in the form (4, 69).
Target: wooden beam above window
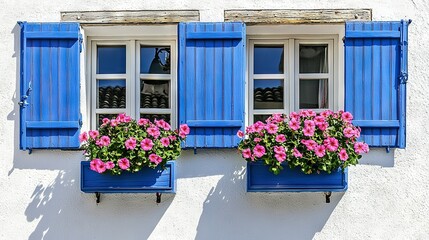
(131, 17)
(297, 16)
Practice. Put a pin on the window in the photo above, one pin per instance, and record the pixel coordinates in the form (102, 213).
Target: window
(133, 76)
(289, 74)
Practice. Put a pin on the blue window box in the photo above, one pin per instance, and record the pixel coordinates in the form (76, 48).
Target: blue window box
(259, 179)
(147, 180)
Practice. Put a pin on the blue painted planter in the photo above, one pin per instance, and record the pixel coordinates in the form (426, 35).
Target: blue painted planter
(147, 180)
(259, 179)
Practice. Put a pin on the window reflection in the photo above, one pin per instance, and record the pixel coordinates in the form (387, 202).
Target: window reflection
(268, 94)
(313, 93)
(313, 58)
(268, 59)
(111, 59)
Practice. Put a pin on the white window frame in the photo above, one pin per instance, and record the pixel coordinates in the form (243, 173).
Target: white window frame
(292, 35)
(132, 37)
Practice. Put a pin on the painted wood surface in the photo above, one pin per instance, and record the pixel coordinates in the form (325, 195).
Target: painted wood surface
(50, 84)
(147, 180)
(375, 90)
(260, 179)
(294, 16)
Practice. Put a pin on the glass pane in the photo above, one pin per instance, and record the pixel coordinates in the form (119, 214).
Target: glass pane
(154, 94)
(111, 59)
(261, 118)
(152, 117)
(111, 93)
(313, 58)
(155, 59)
(268, 94)
(268, 59)
(101, 116)
(313, 93)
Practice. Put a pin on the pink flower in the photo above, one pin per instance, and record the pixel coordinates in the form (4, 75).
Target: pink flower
(172, 138)
(280, 138)
(155, 158)
(311, 113)
(294, 124)
(162, 124)
(308, 131)
(93, 134)
(309, 124)
(326, 113)
(165, 141)
(257, 139)
(331, 144)
(319, 120)
(110, 165)
(349, 132)
(320, 150)
(246, 153)
(83, 137)
(277, 117)
(296, 153)
(258, 126)
(120, 117)
(310, 144)
(127, 119)
(146, 144)
(184, 128)
(361, 147)
(279, 149)
(281, 156)
(347, 117)
(105, 121)
(142, 121)
(94, 163)
(101, 167)
(105, 141)
(131, 143)
(113, 123)
(294, 115)
(240, 134)
(153, 131)
(124, 163)
(343, 155)
(323, 126)
(259, 151)
(271, 128)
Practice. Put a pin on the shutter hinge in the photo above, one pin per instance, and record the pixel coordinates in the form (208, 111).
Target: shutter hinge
(403, 77)
(23, 103)
(80, 43)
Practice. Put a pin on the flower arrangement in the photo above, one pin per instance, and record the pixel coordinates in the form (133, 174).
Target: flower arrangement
(306, 140)
(123, 144)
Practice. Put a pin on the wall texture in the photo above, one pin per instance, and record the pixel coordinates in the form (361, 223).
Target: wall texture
(388, 195)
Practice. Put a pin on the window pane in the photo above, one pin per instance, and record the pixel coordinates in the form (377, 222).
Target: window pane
(268, 94)
(313, 93)
(155, 60)
(111, 59)
(111, 93)
(313, 58)
(154, 94)
(261, 118)
(152, 117)
(101, 116)
(268, 59)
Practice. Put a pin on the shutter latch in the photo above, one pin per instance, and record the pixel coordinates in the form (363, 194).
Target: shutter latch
(23, 103)
(403, 77)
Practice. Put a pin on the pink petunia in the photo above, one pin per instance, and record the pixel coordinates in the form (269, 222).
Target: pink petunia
(163, 124)
(277, 117)
(323, 126)
(326, 113)
(310, 144)
(331, 144)
(250, 129)
(297, 153)
(271, 128)
(259, 151)
(319, 120)
(120, 117)
(257, 139)
(279, 149)
(131, 143)
(309, 124)
(294, 115)
(146, 144)
(127, 119)
(142, 121)
(93, 134)
(113, 123)
(105, 141)
(349, 132)
(308, 131)
(110, 165)
(343, 155)
(246, 153)
(361, 147)
(153, 131)
(83, 137)
(258, 126)
(280, 138)
(319, 150)
(124, 163)
(172, 138)
(240, 134)
(155, 158)
(347, 117)
(106, 121)
(184, 128)
(165, 141)
(311, 113)
(94, 163)
(294, 124)
(281, 156)
(101, 167)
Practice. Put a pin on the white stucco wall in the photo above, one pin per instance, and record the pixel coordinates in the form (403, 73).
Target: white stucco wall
(388, 198)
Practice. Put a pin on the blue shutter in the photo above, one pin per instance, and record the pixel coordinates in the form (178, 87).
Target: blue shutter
(211, 82)
(375, 80)
(49, 101)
